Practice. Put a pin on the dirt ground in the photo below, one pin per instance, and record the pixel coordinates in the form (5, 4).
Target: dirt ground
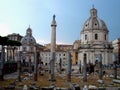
(61, 80)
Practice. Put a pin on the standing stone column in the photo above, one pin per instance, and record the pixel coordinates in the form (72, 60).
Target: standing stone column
(80, 66)
(115, 65)
(53, 46)
(30, 67)
(100, 66)
(2, 60)
(60, 66)
(84, 68)
(19, 65)
(35, 65)
(69, 67)
(100, 69)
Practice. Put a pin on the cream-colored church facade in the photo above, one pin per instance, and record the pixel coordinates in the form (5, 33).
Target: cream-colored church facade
(94, 40)
(28, 48)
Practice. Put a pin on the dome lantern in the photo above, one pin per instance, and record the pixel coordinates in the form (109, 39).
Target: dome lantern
(28, 39)
(93, 12)
(29, 31)
(94, 22)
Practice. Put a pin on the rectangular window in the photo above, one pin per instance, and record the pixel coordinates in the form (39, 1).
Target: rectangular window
(105, 36)
(24, 48)
(85, 37)
(96, 36)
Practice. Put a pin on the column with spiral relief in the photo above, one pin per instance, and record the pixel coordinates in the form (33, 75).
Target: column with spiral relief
(53, 47)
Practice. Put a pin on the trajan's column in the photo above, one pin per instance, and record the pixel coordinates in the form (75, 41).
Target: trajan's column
(53, 46)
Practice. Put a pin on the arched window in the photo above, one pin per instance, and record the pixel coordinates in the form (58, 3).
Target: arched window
(96, 36)
(105, 37)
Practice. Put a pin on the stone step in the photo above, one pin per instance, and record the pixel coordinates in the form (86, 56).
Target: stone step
(116, 81)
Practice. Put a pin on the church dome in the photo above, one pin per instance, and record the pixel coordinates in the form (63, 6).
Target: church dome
(94, 22)
(28, 39)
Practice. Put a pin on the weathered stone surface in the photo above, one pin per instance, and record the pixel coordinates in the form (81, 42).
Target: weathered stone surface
(102, 88)
(92, 87)
(25, 87)
(116, 81)
(101, 81)
(47, 88)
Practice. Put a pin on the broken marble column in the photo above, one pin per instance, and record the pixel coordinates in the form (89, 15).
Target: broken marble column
(80, 66)
(84, 67)
(19, 65)
(35, 65)
(115, 65)
(100, 69)
(100, 66)
(69, 67)
(2, 63)
(60, 65)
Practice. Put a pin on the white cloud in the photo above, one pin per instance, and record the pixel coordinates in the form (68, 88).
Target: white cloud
(42, 41)
(59, 42)
(4, 29)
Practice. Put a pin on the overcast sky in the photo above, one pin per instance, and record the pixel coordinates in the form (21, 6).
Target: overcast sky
(17, 15)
